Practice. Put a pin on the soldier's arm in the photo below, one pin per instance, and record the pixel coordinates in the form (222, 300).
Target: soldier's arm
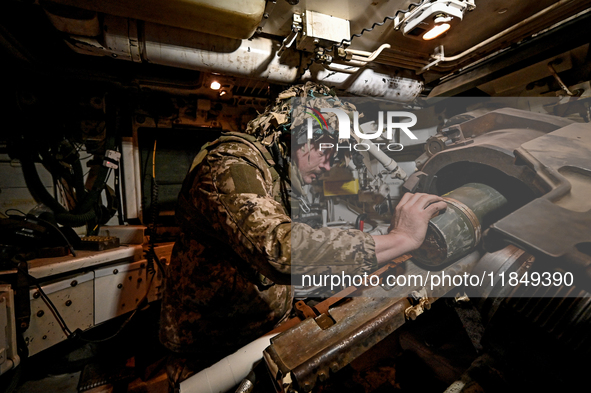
(234, 190)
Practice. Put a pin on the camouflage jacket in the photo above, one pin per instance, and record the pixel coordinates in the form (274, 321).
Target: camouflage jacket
(229, 275)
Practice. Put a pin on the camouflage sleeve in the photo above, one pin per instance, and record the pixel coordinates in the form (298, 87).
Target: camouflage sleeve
(233, 189)
(317, 251)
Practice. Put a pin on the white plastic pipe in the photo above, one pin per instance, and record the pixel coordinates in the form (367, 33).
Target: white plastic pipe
(389, 164)
(228, 372)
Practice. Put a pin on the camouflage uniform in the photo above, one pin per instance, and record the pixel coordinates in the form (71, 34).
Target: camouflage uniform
(228, 280)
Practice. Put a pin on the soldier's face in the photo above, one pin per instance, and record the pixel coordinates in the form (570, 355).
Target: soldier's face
(312, 161)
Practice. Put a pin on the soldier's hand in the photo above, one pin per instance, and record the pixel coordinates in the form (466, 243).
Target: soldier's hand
(412, 216)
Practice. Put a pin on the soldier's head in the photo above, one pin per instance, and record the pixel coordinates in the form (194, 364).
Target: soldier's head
(297, 121)
(314, 157)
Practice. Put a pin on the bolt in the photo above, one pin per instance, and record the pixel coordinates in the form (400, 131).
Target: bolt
(307, 387)
(334, 367)
(119, 286)
(36, 295)
(74, 283)
(259, 29)
(68, 303)
(44, 337)
(322, 376)
(40, 313)
(114, 55)
(115, 271)
(266, 15)
(24, 325)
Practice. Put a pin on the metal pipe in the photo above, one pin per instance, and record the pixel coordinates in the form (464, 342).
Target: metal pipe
(367, 56)
(457, 231)
(349, 71)
(506, 31)
(370, 83)
(253, 59)
(389, 164)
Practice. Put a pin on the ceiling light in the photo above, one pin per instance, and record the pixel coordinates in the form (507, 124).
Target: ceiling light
(215, 85)
(436, 31)
(432, 18)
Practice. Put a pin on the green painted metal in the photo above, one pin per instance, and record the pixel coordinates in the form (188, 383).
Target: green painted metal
(456, 232)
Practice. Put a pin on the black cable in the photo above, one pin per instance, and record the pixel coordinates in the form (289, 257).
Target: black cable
(349, 41)
(62, 322)
(387, 18)
(151, 254)
(118, 194)
(48, 301)
(361, 217)
(60, 232)
(100, 340)
(306, 68)
(140, 304)
(16, 210)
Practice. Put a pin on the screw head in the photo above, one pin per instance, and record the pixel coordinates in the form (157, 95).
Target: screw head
(68, 303)
(40, 313)
(119, 286)
(74, 283)
(36, 295)
(115, 271)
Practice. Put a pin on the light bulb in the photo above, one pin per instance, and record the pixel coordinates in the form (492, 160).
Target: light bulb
(436, 31)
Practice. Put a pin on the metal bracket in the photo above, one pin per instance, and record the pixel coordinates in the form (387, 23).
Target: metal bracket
(421, 302)
(438, 56)
(268, 9)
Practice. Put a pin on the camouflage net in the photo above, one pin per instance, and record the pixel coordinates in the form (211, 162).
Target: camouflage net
(281, 118)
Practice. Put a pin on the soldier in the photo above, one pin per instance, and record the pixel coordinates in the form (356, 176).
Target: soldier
(228, 280)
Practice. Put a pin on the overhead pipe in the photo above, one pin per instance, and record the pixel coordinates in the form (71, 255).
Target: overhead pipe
(441, 58)
(255, 58)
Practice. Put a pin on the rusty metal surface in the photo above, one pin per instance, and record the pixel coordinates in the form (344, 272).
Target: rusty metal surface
(306, 353)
